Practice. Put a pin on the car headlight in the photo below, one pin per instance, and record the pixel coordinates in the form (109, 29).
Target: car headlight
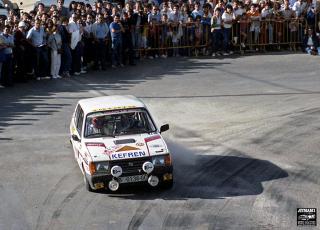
(102, 167)
(164, 160)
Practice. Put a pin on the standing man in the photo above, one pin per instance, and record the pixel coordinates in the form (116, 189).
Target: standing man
(63, 12)
(36, 37)
(7, 70)
(100, 31)
(128, 25)
(20, 51)
(66, 58)
(116, 29)
(74, 30)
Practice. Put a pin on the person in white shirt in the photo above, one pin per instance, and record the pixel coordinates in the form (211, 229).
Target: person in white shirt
(216, 30)
(298, 7)
(74, 29)
(227, 20)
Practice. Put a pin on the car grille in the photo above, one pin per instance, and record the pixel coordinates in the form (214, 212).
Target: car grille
(132, 166)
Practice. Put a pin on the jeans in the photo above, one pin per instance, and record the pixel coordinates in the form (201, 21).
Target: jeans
(100, 53)
(55, 63)
(76, 59)
(41, 61)
(226, 39)
(7, 70)
(216, 40)
(116, 52)
(66, 58)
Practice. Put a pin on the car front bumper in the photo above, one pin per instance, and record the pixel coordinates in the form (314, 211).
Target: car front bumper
(99, 181)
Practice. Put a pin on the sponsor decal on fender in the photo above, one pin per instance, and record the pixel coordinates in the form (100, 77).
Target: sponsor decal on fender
(156, 137)
(95, 144)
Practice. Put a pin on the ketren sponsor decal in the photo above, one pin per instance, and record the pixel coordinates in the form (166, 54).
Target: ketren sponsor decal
(124, 155)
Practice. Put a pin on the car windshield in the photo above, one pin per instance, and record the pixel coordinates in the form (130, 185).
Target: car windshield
(116, 123)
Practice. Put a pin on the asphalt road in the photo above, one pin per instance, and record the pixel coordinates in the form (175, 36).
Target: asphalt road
(244, 133)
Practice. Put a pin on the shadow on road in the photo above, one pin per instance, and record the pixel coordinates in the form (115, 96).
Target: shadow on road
(43, 98)
(210, 177)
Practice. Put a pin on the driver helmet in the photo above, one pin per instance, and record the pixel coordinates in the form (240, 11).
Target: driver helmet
(97, 122)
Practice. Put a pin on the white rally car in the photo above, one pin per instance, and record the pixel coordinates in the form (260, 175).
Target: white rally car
(116, 141)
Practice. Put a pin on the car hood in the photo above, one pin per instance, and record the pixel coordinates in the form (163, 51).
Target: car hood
(126, 147)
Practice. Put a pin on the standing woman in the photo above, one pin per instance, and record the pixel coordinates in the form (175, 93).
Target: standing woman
(55, 43)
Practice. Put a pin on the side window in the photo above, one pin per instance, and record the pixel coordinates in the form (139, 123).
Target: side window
(76, 115)
(79, 120)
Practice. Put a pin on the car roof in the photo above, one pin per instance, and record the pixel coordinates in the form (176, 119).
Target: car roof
(114, 102)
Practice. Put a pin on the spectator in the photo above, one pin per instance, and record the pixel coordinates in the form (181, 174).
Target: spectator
(310, 42)
(116, 29)
(227, 20)
(36, 37)
(216, 30)
(55, 43)
(154, 16)
(128, 25)
(2, 58)
(20, 51)
(89, 46)
(7, 67)
(100, 32)
(66, 57)
(174, 16)
(63, 12)
(255, 19)
(74, 30)
(267, 14)
(197, 12)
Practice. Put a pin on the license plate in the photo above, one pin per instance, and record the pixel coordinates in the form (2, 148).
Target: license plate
(132, 179)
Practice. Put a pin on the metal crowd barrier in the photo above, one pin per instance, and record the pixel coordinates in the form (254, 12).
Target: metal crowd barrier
(194, 38)
(268, 32)
(176, 38)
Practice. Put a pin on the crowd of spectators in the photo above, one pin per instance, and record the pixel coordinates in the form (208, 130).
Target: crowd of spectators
(55, 41)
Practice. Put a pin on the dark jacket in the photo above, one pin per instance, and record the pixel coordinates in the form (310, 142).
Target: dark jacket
(315, 41)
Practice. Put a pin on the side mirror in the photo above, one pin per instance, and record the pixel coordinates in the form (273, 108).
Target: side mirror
(164, 128)
(75, 138)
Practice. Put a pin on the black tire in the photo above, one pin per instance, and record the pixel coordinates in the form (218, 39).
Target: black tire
(167, 184)
(87, 184)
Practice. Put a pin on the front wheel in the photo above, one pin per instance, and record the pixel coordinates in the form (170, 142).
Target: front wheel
(166, 184)
(87, 184)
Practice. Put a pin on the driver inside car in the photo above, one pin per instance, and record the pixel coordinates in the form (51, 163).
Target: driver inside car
(96, 125)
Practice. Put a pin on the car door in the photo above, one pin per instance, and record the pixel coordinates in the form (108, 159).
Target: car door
(78, 121)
